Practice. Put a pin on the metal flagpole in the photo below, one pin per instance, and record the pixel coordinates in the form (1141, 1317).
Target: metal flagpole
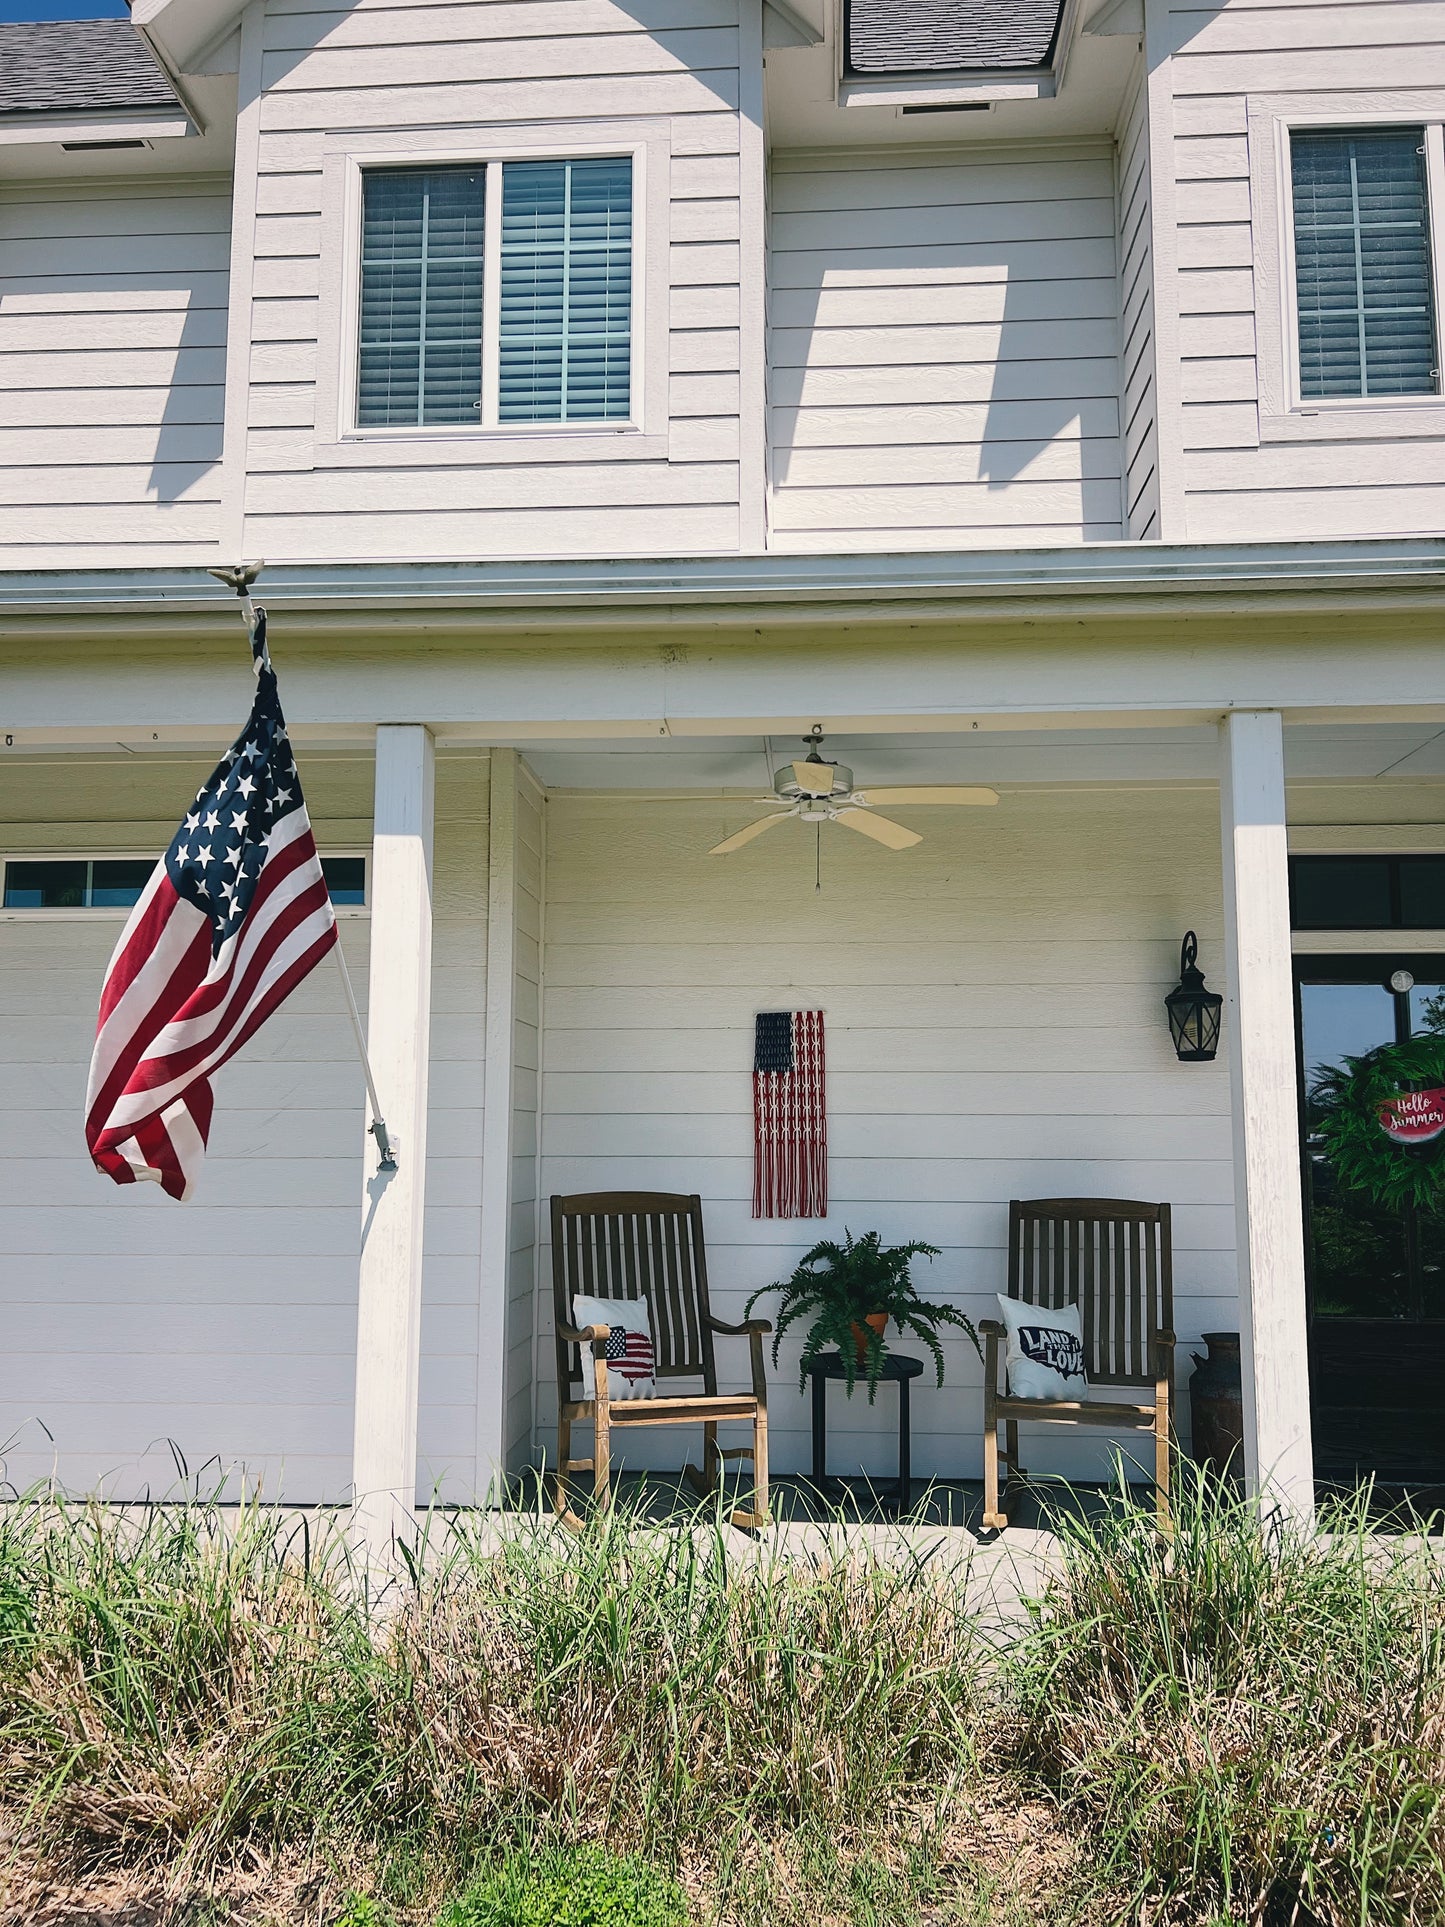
(240, 579)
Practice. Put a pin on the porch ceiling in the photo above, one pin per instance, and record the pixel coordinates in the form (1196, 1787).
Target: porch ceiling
(1325, 752)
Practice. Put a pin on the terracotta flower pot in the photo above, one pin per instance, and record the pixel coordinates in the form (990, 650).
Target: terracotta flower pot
(876, 1321)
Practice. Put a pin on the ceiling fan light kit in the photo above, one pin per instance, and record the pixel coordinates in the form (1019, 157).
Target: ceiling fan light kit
(814, 790)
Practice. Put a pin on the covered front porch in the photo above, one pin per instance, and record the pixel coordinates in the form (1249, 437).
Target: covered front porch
(561, 985)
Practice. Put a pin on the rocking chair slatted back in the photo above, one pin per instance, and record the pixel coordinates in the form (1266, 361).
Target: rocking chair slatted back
(635, 1244)
(1112, 1258)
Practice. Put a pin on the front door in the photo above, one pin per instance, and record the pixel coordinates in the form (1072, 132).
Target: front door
(1376, 1273)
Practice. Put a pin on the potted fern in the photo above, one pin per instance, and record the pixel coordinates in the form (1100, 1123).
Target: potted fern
(851, 1290)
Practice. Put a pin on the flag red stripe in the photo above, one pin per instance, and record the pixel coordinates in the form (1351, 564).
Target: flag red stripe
(138, 940)
(226, 999)
(130, 1047)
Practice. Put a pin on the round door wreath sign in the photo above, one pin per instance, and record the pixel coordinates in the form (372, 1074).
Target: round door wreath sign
(1380, 1120)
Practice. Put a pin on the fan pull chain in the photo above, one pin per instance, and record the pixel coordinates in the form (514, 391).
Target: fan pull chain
(818, 857)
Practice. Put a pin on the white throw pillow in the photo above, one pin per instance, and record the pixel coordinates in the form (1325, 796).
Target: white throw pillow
(1045, 1350)
(631, 1361)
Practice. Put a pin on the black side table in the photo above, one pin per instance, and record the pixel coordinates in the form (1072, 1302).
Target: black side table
(898, 1369)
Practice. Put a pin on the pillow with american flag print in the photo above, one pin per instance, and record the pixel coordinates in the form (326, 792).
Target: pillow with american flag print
(630, 1358)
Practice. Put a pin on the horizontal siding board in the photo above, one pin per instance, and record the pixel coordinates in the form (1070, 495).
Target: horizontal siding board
(905, 304)
(959, 424)
(1066, 380)
(904, 345)
(526, 101)
(480, 56)
(881, 228)
(1324, 24)
(302, 23)
(920, 264)
(711, 529)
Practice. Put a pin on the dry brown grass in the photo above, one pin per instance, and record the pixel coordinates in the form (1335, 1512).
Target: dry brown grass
(205, 1721)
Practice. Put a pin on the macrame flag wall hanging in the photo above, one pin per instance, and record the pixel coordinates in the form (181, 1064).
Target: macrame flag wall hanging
(790, 1116)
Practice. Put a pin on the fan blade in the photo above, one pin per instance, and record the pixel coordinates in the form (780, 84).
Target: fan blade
(880, 828)
(813, 779)
(929, 795)
(731, 843)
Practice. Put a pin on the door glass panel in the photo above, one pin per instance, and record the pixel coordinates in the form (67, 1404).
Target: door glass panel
(1427, 1010)
(1360, 1263)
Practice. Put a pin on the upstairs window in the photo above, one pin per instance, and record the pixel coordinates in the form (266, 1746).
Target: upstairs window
(496, 295)
(1363, 284)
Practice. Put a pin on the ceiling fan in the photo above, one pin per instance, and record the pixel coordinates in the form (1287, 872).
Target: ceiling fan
(816, 791)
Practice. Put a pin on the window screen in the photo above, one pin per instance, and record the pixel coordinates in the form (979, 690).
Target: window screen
(421, 296)
(1362, 264)
(566, 294)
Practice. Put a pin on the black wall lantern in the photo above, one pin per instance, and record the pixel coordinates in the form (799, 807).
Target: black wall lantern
(1193, 1010)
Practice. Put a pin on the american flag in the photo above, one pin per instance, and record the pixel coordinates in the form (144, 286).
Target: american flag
(233, 917)
(628, 1352)
(790, 1116)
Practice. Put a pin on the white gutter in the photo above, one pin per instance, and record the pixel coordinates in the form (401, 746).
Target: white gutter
(945, 583)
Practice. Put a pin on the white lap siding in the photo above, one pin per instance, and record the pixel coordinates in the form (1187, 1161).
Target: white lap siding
(1240, 488)
(112, 371)
(943, 349)
(995, 1029)
(141, 1334)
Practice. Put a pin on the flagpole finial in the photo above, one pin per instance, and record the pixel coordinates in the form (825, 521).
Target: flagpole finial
(240, 577)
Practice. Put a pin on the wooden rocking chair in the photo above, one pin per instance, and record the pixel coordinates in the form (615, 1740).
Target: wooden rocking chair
(647, 1244)
(1113, 1258)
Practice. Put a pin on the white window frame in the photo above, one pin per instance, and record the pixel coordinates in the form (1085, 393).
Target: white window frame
(117, 913)
(1284, 414)
(341, 441)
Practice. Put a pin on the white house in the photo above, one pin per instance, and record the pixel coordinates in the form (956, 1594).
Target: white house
(1039, 394)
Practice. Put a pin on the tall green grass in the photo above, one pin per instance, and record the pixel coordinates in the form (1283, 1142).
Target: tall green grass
(1238, 1725)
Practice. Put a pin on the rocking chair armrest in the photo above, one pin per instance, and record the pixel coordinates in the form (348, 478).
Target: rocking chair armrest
(593, 1335)
(762, 1326)
(991, 1332)
(755, 1330)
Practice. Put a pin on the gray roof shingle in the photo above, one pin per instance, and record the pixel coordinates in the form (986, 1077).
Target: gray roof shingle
(78, 66)
(941, 36)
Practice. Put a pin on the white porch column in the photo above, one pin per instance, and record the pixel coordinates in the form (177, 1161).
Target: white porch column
(1260, 1024)
(388, 1333)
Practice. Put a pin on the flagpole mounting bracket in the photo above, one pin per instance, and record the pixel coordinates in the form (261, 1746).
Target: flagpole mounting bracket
(386, 1144)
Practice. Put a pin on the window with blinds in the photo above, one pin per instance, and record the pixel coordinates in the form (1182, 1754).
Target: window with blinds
(1362, 264)
(420, 360)
(556, 253)
(566, 324)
